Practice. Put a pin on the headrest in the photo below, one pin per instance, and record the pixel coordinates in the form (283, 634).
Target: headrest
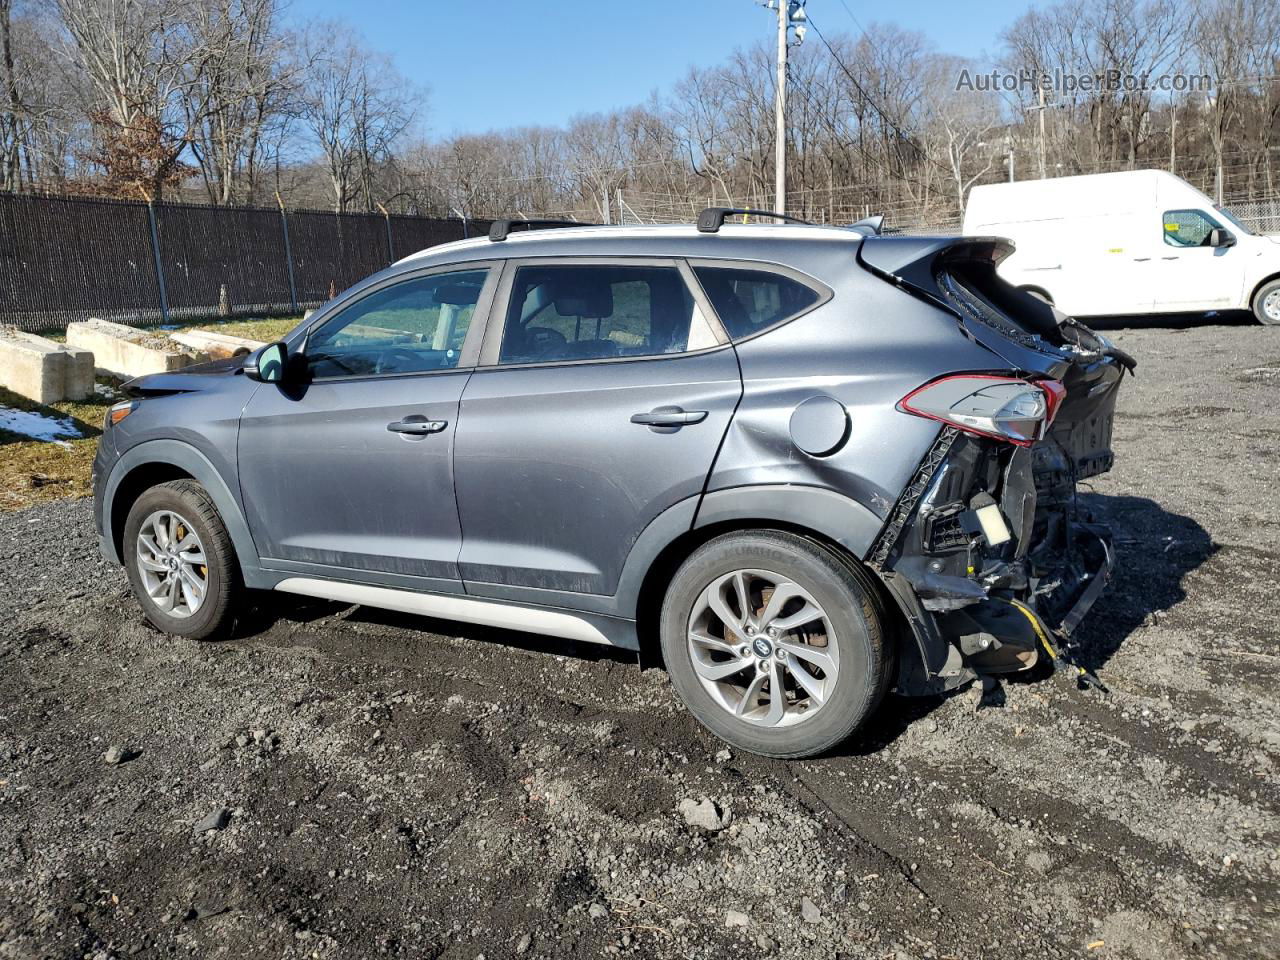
(588, 299)
(459, 294)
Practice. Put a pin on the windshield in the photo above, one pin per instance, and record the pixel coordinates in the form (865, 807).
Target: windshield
(1236, 223)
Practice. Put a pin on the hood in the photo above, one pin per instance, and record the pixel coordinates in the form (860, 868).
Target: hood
(187, 380)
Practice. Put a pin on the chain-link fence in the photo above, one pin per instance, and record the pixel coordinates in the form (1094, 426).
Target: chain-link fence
(1260, 216)
(65, 259)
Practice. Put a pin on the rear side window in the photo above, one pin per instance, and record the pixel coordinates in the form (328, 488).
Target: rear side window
(600, 312)
(749, 301)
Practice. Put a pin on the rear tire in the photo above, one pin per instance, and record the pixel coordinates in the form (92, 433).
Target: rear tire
(1266, 303)
(190, 590)
(831, 667)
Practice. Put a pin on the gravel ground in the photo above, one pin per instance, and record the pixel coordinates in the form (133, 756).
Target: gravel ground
(338, 782)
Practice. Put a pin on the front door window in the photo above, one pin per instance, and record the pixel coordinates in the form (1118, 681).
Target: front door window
(415, 326)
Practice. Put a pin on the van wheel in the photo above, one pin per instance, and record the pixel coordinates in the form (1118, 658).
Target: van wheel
(180, 562)
(774, 643)
(1266, 303)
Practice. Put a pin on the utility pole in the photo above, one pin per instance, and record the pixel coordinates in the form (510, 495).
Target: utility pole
(791, 15)
(1043, 174)
(780, 114)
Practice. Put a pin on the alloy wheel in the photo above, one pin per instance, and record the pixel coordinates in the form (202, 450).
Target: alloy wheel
(171, 561)
(763, 648)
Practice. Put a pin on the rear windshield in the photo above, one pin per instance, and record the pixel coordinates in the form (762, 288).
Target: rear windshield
(984, 296)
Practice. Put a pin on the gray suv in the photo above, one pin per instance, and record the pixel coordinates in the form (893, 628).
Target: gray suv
(804, 465)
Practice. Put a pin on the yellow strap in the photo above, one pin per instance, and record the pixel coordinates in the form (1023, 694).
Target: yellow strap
(1035, 623)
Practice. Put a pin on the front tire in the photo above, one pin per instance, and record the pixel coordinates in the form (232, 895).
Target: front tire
(180, 561)
(774, 643)
(1266, 303)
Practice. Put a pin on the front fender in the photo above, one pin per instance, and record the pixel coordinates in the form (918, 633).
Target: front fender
(191, 461)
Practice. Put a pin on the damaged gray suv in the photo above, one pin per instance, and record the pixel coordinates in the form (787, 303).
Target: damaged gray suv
(804, 465)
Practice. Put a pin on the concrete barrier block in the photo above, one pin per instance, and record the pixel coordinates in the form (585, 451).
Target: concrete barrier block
(79, 381)
(216, 345)
(42, 370)
(128, 351)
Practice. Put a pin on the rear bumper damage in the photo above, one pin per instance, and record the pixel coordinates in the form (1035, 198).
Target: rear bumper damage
(991, 557)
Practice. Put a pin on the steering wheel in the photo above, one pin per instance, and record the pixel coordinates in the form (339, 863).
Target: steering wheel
(398, 360)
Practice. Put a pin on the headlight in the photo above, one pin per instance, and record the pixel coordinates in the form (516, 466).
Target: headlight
(117, 412)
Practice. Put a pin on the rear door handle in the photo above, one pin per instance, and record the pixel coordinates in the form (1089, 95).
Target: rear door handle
(417, 425)
(669, 417)
(1174, 257)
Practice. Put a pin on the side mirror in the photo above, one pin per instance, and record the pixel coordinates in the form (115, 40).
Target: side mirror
(268, 365)
(1221, 238)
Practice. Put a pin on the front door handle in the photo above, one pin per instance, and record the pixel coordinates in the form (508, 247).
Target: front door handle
(669, 417)
(1141, 259)
(417, 426)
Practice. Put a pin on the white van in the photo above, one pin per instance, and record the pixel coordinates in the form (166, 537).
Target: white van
(1143, 241)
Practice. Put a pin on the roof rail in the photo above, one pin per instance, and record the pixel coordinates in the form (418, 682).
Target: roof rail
(711, 219)
(501, 228)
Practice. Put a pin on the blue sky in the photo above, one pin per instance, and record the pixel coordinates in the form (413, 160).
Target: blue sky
(491, 64)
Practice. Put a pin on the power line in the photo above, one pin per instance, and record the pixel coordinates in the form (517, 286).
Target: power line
(902, 134)
(849, 11)
(843, 140)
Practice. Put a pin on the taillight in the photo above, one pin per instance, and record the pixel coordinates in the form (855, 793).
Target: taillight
(1006, 408)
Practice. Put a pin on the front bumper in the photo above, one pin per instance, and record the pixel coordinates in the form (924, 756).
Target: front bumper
(103, 460)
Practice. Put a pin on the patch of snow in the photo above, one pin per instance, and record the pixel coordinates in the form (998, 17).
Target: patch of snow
(37, 426)
(102, 390)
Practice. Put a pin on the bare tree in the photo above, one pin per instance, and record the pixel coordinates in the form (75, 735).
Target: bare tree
(245, 83)
(139, 57)
(357, 107)
(960, 122)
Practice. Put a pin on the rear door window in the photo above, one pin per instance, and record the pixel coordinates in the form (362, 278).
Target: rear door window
(749, 301)
(600, 312)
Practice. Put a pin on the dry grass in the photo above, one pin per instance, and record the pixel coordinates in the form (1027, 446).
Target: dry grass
(268, 330)
(36, 471)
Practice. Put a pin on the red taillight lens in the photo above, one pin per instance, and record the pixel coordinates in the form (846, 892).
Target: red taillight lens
(1006, 408)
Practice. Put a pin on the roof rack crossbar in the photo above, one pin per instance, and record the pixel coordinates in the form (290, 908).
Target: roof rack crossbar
(711, 219)
(502, 228)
